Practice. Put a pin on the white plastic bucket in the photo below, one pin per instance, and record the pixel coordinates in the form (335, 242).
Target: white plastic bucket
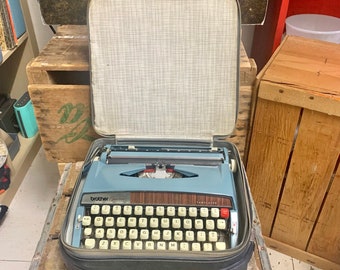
(314, 26)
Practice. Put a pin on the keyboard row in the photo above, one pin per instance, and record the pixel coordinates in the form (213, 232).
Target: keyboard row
(159, 211)
(91, 243)
(154, 223)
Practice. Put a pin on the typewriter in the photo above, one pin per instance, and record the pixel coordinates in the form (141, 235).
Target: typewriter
(162, 189)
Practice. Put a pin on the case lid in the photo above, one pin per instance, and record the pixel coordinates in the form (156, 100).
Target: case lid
(164, 69)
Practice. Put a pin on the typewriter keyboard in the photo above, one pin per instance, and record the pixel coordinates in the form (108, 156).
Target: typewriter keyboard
(137, 227)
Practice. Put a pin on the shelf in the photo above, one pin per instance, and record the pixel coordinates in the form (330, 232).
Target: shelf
(29, 148)
(7, 54)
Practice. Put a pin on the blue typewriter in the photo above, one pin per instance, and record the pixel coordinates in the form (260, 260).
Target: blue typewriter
(162, 189)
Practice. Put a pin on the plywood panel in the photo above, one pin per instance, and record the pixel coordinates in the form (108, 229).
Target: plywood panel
(271, 143)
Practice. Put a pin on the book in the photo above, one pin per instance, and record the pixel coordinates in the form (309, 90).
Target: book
(11, 21)
(7, 30)
(17, 16)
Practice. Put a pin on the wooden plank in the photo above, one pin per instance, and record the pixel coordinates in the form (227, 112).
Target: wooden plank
(72, 177)
(272, 139)
(325, 241)
(51, 257)
(301, 255)
(63, 116)
(296, 96)
(313, 161)
(307, 64)
(240, 135)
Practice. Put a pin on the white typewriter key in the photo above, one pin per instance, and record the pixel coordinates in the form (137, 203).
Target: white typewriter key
(106, 209)
(161, 245)
(173, 246)
(99, 233)
(198, 224)
(138, 245)
(121, 222)
(176, 223)
(210, 224)
(115, 244)
(213, 236)
(127, 210)
(90, 243)
(187, 224)
(149, 210)
(201, 236)
(167, 234)
(178, 235)
(184, 246)
(149, 245)
(121, 234)
(156, 235)
(144, 234)
(182, 211)
(109, 221)
(192, 212)
(133, 234)
(110, 233)
(132, 222)
(160, 211)
(127, 244)
(116, 210)
(103, 244)
(215, 212)
(143, 222)
(221, 224)
(196, 247)
(171, 211)
(220, 246)
(154, 222)
(189, 236)
(165, 223)
(204, 212)
(138, 210)
(86, 221)
(207, 247)
(98, 221)
(95, 209)
(87, 231)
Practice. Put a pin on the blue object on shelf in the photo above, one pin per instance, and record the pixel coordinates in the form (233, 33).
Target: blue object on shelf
(18, 17)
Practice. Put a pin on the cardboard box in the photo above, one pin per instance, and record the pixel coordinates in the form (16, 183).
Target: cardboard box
(293, 163)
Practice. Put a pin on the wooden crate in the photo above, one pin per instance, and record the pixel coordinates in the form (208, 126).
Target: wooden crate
(48, 255)
(293, 162)
(59, 89)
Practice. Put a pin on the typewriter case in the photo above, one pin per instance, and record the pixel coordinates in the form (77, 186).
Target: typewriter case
(164, 73)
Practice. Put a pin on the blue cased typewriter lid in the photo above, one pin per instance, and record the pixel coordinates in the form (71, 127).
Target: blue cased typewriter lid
(168, 71)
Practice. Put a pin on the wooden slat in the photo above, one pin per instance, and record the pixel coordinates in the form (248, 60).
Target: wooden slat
(51, 257)
(313, 67)
(314, 158)
(240, 135)
(272, 140)
(306, 98)
(325, 241)
(63, 116)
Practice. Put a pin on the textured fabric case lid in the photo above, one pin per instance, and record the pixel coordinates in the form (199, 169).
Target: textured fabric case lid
(164, 69)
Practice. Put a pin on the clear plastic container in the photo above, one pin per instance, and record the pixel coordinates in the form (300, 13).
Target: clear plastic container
(314, 26)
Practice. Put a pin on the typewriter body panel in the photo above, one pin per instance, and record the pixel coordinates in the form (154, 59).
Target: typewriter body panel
(163, 190)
